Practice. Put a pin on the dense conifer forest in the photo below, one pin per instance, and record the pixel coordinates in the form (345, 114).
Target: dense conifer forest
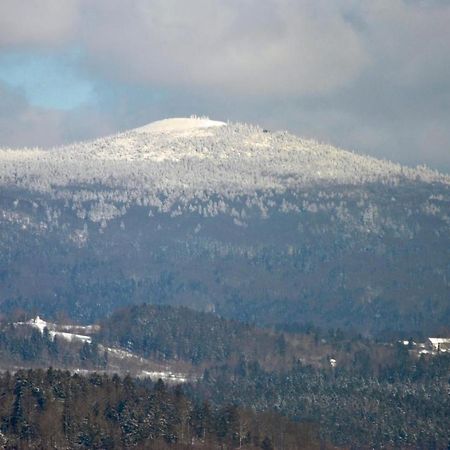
(244, 387)
(54, 409)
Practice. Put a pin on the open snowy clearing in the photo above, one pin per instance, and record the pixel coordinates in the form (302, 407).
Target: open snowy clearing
(180, 125)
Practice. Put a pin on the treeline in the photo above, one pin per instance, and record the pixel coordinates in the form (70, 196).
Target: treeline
(54, 409)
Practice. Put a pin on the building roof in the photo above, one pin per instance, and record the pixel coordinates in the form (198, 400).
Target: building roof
(437, 341)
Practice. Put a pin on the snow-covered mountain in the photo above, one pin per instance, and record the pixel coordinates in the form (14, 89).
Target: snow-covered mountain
(228, 217)
(179, 160)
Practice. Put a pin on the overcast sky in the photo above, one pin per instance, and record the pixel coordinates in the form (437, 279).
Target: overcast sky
(368, 75)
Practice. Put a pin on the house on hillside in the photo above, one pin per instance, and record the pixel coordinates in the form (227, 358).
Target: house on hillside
(439, 344)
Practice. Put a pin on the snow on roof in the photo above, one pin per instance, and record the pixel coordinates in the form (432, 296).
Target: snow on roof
(437, 341)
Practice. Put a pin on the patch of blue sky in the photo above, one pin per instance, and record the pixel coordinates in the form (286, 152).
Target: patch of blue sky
(52, 81)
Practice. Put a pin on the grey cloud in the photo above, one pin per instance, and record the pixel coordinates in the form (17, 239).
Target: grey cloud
(409, 41)
(264, 47)
(35, 23)
(250, 46)
(22, 124)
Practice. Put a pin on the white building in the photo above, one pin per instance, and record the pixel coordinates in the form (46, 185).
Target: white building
(439, 344)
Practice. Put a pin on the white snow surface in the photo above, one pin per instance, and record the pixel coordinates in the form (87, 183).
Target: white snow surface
(179, 125)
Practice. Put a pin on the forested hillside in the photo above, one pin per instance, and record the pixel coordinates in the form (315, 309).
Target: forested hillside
(259, 226)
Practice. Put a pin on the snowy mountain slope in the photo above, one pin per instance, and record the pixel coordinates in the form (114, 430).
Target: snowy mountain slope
(263, 226)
